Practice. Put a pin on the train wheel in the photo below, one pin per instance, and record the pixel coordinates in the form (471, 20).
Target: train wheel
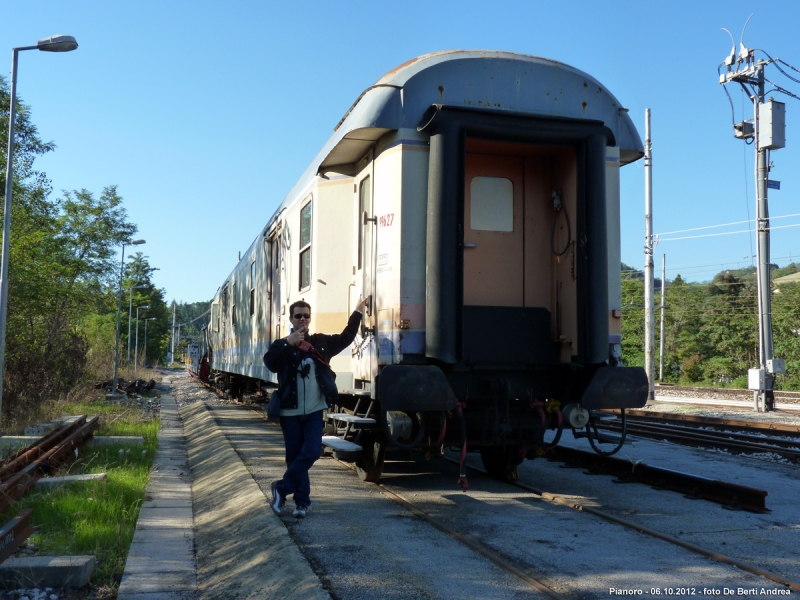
(370, 466)
(501, 462)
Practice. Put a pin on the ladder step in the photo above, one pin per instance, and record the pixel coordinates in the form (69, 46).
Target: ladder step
(351, 419)
(339, 444)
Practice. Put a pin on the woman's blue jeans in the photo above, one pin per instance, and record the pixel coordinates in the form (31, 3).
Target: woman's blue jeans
(302, 437)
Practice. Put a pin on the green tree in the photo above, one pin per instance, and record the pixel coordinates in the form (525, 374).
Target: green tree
(61, 273)
(632, 321)
(786, 333)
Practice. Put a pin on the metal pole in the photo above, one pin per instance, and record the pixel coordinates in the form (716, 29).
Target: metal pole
(661, 343)
(12, 111)
(765, 309)
(130, 314)
(649, 329)
(172, 346)
(119, 311)
(57, 44)
(144, 350)
(136, 351)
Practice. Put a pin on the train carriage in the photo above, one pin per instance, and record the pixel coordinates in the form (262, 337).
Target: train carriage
(474, 197)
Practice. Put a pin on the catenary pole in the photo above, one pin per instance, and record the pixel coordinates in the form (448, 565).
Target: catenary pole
(663, 306)
(768, 133)
(649, 329)
(764, 292)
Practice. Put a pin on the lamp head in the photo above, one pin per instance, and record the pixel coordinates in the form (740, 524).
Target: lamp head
(57, 43)
(136, 242)
(141, 287)
(142, 307)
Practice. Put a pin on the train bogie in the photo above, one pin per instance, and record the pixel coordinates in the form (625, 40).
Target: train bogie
(474, 198)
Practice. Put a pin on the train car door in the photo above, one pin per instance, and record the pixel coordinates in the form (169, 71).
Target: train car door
(366, 355)
(493, 232)
(272, 250)
(224, 342)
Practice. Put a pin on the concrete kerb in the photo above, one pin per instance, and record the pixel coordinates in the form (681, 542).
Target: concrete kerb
(243, 550)
(70, 572)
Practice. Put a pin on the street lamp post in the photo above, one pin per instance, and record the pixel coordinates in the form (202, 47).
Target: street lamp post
(144, 360)
(130, 314)
(119, 310)
(55, 43)
(136, 352)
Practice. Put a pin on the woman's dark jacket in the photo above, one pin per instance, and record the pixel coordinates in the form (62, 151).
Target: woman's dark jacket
(284, 359)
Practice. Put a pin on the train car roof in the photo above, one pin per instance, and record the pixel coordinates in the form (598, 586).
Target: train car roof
(495, 80)
(503, 81)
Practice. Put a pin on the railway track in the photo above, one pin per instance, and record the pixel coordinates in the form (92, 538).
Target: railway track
(742, 437)
(540, 582)
(663, 388)
(712, 554)
(536, 580)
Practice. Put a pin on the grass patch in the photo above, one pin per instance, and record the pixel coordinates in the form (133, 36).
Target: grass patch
(96, 517)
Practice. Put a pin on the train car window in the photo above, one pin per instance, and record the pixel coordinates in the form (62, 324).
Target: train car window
(305, 246)
(491, 204)
(252, 288)
(363, 208)
(215, 316)
(233, 304)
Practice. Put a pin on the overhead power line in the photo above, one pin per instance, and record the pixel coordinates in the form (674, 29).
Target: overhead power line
(193, 320)
(694, 237)
(725, 225)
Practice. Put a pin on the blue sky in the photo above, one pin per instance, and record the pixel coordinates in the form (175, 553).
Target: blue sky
(204, 114)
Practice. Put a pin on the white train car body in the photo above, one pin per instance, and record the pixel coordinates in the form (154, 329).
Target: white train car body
(475, 197)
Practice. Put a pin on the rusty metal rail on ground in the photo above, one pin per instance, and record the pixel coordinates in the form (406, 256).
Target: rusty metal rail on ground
(15, 532)
(16, 484)
(28, 454)
(692, 486)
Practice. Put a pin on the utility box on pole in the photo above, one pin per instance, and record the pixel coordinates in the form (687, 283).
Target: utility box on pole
(771, 125)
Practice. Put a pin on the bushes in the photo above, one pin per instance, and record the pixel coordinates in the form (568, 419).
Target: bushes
(712, 330)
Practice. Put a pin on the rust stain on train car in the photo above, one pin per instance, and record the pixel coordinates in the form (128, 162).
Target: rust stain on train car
(398, 68)
(584, 105)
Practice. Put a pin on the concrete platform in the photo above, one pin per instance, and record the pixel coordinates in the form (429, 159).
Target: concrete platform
(161, 561)
(243, 549)
(70, 572)
(202, 498)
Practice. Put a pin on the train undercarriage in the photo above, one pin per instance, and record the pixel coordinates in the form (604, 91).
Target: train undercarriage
(506, 424)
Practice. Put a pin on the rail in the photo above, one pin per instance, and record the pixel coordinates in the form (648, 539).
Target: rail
(695, 486)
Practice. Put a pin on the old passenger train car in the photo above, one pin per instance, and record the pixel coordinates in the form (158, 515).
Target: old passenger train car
(474, 196)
